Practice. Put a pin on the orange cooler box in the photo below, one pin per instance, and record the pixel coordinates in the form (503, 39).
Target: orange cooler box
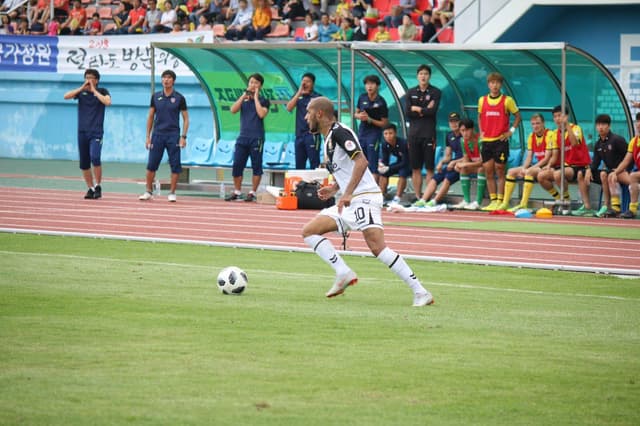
(287, 202)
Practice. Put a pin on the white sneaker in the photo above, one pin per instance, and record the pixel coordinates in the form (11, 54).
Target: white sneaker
(341, 283)
(472, 206)
(423, 299)
(146, 196)
(171, 198)
(461, 205)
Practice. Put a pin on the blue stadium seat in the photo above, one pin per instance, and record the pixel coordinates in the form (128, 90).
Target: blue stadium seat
(272, 154)
(439, 154)
(288, 157)
(198, 152)
(223, 154)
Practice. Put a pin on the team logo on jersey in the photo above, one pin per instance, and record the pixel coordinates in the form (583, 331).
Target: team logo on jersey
(173, 100)
(349, 145)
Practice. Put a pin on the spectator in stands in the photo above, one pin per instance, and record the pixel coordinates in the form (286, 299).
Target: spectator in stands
(61, 9)
(421, 107)
(373, 115)
(359, 207)
(230, 11)
(445, 171)
(342, 11)
(12, 8)
(177, 27)
(52, 27)
(152, 17)
(238, 28)
(443, 13)
(359, 8)
(408, 30)
(428, 28)
(135, 19)
(310, 28)
(167, 19)
(307, 145)
(76, 20)
(253, 109)
(345, 33)
(394, 18)
(610, 149)
(326, 29)
(396, 147)
(191, 7)
(359, 29)
(470, 164)
(120, 14)
(631, 159)
(635, 104)
(542, 154)
(163, 133)
(291, 10)
(7, 25)
(203, 25)
(576, 159)
(494, 110)
(212, 11)
(92, 101)
(260, 22)
(23, 27)
(38, 16)
(94, 26)
(382, 35)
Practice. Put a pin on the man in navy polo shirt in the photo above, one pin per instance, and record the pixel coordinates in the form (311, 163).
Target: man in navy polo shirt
(307, 145)
(253, 109)
(92, 101)
(373, 113)
(164, 119)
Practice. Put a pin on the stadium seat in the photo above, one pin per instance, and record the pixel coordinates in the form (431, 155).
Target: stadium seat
(439, 154)
(423, 5)
(299, 34)
(288, 157)
(105, 12)
(272, 154)
(281, 30)
(90, 11)
(219, 30)
(198, 152)
(446, 36)
(393, 34)
(515, 158)
(223, 153)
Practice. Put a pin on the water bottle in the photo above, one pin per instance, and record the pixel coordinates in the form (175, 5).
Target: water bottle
(156, 187)
(222, 191)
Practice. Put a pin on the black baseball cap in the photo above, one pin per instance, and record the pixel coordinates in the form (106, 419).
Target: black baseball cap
(454, 116)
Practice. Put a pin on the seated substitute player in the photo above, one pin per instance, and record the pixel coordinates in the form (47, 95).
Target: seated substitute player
(359, 206)
(542, 154)
(393, 145)
(630, 178)
(470, 163)
(576, 161)
(609, 149)
(445, 169)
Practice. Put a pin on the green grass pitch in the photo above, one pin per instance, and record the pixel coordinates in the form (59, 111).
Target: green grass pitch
(118, 332)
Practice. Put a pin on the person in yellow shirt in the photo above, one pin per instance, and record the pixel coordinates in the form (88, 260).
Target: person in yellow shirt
(261, 21)
(382, 35)
(494, 111)
(542, 154)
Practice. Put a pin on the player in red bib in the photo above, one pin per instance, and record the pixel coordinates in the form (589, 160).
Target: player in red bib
(630, 178)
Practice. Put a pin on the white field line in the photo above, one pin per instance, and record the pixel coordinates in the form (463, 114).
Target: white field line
(305, 276)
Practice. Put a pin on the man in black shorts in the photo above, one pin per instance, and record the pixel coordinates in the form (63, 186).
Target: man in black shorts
(421, 108)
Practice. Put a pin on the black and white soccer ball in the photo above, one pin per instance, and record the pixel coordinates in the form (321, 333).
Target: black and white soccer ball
(232, 280)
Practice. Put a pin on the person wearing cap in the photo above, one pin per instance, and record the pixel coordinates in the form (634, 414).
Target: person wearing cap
(163, 133)
(396, 147)
(542, 154)
(446, 173)
(494, 111)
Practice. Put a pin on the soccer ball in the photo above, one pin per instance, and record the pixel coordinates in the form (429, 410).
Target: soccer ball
(232, 280)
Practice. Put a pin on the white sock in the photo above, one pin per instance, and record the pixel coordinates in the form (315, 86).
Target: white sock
(396, 263)
(327, 252)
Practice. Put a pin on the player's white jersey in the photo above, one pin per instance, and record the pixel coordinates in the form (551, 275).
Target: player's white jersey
(341, 145)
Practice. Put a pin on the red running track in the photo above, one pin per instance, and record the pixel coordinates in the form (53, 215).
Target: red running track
(239, 224)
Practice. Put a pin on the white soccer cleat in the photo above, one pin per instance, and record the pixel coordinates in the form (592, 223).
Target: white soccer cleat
(341, 283)
(171, 198)
(423, 299)
(146, 196)
(461, 205)
(472, 206)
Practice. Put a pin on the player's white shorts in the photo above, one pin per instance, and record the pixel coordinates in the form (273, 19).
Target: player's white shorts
(364, 212)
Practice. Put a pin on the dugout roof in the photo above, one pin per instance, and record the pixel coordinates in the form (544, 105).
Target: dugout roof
(535, 74)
